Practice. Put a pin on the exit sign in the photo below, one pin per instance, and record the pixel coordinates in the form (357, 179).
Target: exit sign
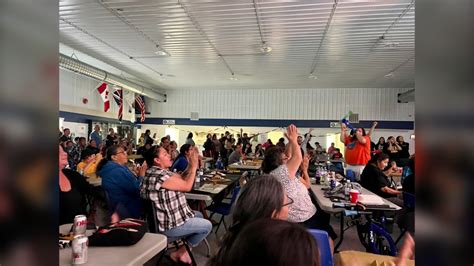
(169, 122)
(334, 124)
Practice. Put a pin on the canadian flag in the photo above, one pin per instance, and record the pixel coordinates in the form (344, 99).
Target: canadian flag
(104, 93)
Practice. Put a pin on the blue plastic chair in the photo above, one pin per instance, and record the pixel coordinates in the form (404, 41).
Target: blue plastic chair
(322, 240)
(223, 208)
(350, 175)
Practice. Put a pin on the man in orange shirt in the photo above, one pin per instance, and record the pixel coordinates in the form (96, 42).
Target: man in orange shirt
(357, 152)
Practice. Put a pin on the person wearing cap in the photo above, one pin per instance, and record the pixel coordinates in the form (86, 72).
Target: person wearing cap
(89, 160)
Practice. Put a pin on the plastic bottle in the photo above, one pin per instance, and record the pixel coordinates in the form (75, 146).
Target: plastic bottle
(347, 189)
(197, 181)
(219, 162)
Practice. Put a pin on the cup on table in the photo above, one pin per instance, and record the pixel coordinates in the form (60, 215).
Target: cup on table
(354, 195)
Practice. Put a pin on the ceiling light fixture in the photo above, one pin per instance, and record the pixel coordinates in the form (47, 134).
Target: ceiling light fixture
(312, 76)
(233, 77)
(159, 51)
(265, 48)
(389, 75)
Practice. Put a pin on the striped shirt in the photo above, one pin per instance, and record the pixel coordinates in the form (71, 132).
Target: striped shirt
(172, 209)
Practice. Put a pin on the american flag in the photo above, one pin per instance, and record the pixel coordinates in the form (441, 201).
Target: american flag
(118, 96)
(141, 105)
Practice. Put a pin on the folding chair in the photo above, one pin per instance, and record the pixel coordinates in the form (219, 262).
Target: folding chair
(322, 240)
(223, 208)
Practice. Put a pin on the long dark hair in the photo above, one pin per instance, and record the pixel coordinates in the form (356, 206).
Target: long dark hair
(151, 154)
(378, 158)
(112, 150)
(354, 137)
(184, 149)
(273, 242)
(190, 135)
(272, 159)
(259, 198)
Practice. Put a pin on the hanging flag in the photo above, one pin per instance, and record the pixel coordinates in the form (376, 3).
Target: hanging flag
(104, 94)
(118, 96)
(141, 106)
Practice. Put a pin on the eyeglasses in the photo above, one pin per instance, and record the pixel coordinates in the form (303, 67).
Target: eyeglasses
(124, 152)
(290, 201)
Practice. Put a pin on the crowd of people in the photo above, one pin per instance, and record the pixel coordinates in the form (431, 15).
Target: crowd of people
(272, 206)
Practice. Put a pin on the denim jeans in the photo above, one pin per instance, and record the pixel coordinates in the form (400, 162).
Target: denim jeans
(193, 230)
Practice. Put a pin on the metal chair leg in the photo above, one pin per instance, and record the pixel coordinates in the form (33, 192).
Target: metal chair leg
(401, 235)
(193, 261)
(208, 247)
(217, 229)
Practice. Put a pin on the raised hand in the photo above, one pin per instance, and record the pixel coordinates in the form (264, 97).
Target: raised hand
(292, 133)
(375, 124)
(194, 157)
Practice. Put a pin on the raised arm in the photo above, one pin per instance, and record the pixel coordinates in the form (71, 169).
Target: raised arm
(343, 133)
(295, 160)
(304, 172)
(307, 138)
(371, 130)
(185, 181)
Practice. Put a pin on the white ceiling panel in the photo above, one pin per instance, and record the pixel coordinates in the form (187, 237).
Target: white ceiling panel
(345, 44)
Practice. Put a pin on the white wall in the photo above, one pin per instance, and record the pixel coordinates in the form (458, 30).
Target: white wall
(311, 104)
(74, 87)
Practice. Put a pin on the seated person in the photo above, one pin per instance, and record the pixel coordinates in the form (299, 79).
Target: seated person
(73, 189)
(237, 154)
(261, 197)
(181, 163)
(277, 164)
(121, 185)
(166, 190)
(88, 165)
(93, 146)
(375, 179)
(273, 242)
(337, 155)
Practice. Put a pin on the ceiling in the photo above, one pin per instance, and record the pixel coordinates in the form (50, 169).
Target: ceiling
(345, 43)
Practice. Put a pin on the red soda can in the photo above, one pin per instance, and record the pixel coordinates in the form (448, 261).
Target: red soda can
(80, 225)
(80, 244)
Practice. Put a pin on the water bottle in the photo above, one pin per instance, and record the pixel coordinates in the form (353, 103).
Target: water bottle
(347, 189)
(197, 181)
(318, 175)
(219, 163)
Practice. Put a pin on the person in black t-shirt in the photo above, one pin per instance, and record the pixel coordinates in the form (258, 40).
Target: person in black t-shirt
(375, 179)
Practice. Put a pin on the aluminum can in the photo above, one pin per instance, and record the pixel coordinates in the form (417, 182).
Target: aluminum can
(80, 244)
(80, 225)
(332, 183)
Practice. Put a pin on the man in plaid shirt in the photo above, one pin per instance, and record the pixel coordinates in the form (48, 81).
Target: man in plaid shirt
(166, 190)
